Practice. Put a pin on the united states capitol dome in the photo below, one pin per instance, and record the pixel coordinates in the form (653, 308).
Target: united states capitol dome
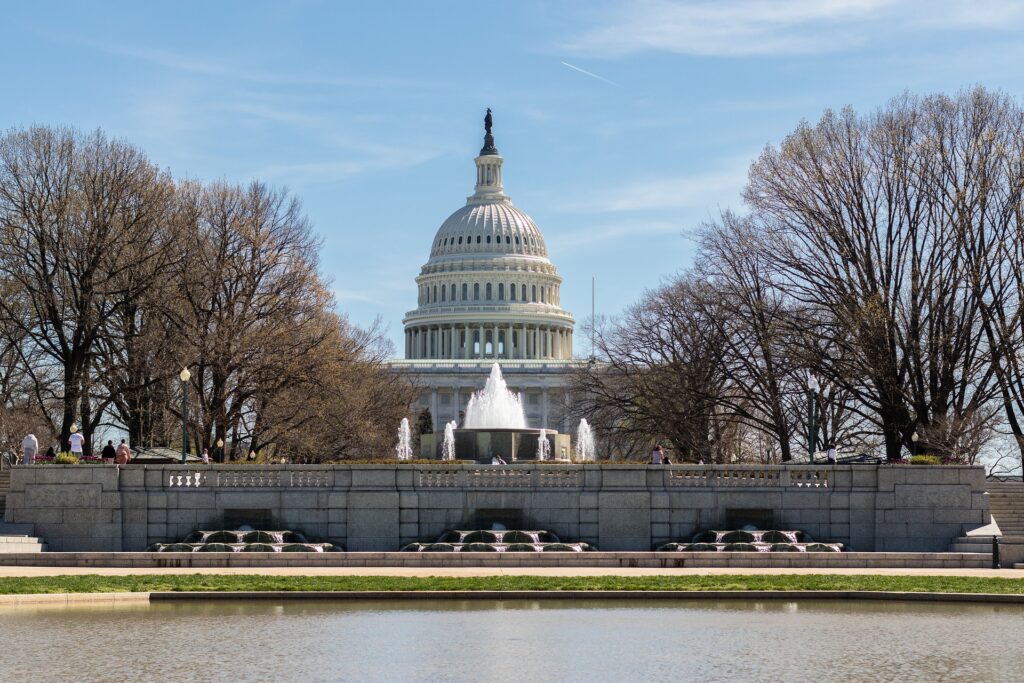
(488, 289)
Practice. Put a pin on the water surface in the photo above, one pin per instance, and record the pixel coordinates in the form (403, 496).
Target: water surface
(478, 640)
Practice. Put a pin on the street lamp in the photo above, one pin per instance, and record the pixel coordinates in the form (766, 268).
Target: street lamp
(913, 439)
(812, 415)
(220, 450)
(184, 377)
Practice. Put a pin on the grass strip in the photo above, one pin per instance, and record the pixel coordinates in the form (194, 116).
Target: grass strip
(92, 583)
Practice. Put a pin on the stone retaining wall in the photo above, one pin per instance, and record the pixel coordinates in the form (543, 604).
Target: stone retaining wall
(382, 507)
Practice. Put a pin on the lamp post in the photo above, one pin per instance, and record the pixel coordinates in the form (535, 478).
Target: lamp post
(913, 440)
(220, 450)
(812, 415)
(184, 377)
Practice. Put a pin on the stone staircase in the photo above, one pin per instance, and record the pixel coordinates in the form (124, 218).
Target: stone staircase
(5, 486)
(15, 538)
(1006, 502)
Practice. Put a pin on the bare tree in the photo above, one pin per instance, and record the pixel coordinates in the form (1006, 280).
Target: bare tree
(865, 228)
(73, 209)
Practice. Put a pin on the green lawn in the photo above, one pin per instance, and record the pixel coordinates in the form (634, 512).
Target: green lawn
(200, 582)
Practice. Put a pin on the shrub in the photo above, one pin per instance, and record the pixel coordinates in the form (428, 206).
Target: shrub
(925, 460)
(65, 459)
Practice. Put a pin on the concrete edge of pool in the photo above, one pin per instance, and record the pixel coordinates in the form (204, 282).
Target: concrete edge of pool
(84, 599)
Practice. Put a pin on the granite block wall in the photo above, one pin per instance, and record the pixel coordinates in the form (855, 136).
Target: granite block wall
(383, 507)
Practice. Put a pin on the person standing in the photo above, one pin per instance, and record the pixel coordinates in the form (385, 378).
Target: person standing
(657, 455)
(831, 455)
(124, 454)
(108, 452)
(29, 448)
(206, 456)
(76, 440)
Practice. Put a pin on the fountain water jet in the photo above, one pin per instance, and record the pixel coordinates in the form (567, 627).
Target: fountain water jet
(543, 446)
(448, 447)
(584, 442)
(404, 448)
(494, 406)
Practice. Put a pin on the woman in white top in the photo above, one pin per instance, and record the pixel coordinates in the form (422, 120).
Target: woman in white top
(29, 448)
(76, 440)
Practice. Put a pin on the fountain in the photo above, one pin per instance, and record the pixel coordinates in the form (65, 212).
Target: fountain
(753, 540)
(448, 447)
(245, 540)
(494, 406)
(495, 424)
(404, 448)
(543, 446)
(498, 540)
(584, 442)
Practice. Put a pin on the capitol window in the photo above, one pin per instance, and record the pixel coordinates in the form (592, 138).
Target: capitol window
(488, 291)
(478, 239)
(476, 291)
(512, 292)
(465, 291)
(460, 239)
(501, 292)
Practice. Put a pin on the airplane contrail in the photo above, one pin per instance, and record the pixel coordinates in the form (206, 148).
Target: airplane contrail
(587, 73)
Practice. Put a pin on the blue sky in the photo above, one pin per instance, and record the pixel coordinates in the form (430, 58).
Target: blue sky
(623, 125)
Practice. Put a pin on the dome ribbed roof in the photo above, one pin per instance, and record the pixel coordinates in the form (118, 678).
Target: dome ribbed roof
(489, 227)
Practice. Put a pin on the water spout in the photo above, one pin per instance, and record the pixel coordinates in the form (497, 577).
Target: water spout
(584, 442)
(543, 446)
(448, 447)
(404, 448)
(495, 407)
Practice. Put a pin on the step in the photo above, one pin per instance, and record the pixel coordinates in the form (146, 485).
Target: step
(21, 544)
(10, 529)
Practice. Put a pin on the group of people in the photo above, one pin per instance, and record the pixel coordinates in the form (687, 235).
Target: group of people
(120, 455)
(659, 456)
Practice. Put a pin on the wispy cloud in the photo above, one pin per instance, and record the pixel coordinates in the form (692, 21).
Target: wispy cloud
(678, 192)
(778, 27)
(588, 73)
(226, 69)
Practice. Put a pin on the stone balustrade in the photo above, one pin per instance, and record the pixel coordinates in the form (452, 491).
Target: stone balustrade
(382, 507)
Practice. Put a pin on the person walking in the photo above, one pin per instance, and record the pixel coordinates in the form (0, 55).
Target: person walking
(29, 448)
(108, 452)
(206, 456)
(657, 455)
(123, 456)
(831, 455)
(76, 440)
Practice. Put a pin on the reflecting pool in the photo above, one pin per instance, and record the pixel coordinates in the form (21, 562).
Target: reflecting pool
(551, 640)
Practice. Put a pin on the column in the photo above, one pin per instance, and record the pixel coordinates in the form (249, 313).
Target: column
(494, 341)
(482, 345)
(551, 342)
(509, 346)
(467, 346)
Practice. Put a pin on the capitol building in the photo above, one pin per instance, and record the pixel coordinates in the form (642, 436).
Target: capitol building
(489, 293)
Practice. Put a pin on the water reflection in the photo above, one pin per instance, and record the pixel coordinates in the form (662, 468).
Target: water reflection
(472, 640)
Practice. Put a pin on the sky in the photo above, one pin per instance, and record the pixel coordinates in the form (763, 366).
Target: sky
(624, 125)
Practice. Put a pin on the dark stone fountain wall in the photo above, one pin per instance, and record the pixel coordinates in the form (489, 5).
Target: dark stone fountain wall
(384, 507)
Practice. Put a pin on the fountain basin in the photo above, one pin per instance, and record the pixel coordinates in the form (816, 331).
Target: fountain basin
(513, 444)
